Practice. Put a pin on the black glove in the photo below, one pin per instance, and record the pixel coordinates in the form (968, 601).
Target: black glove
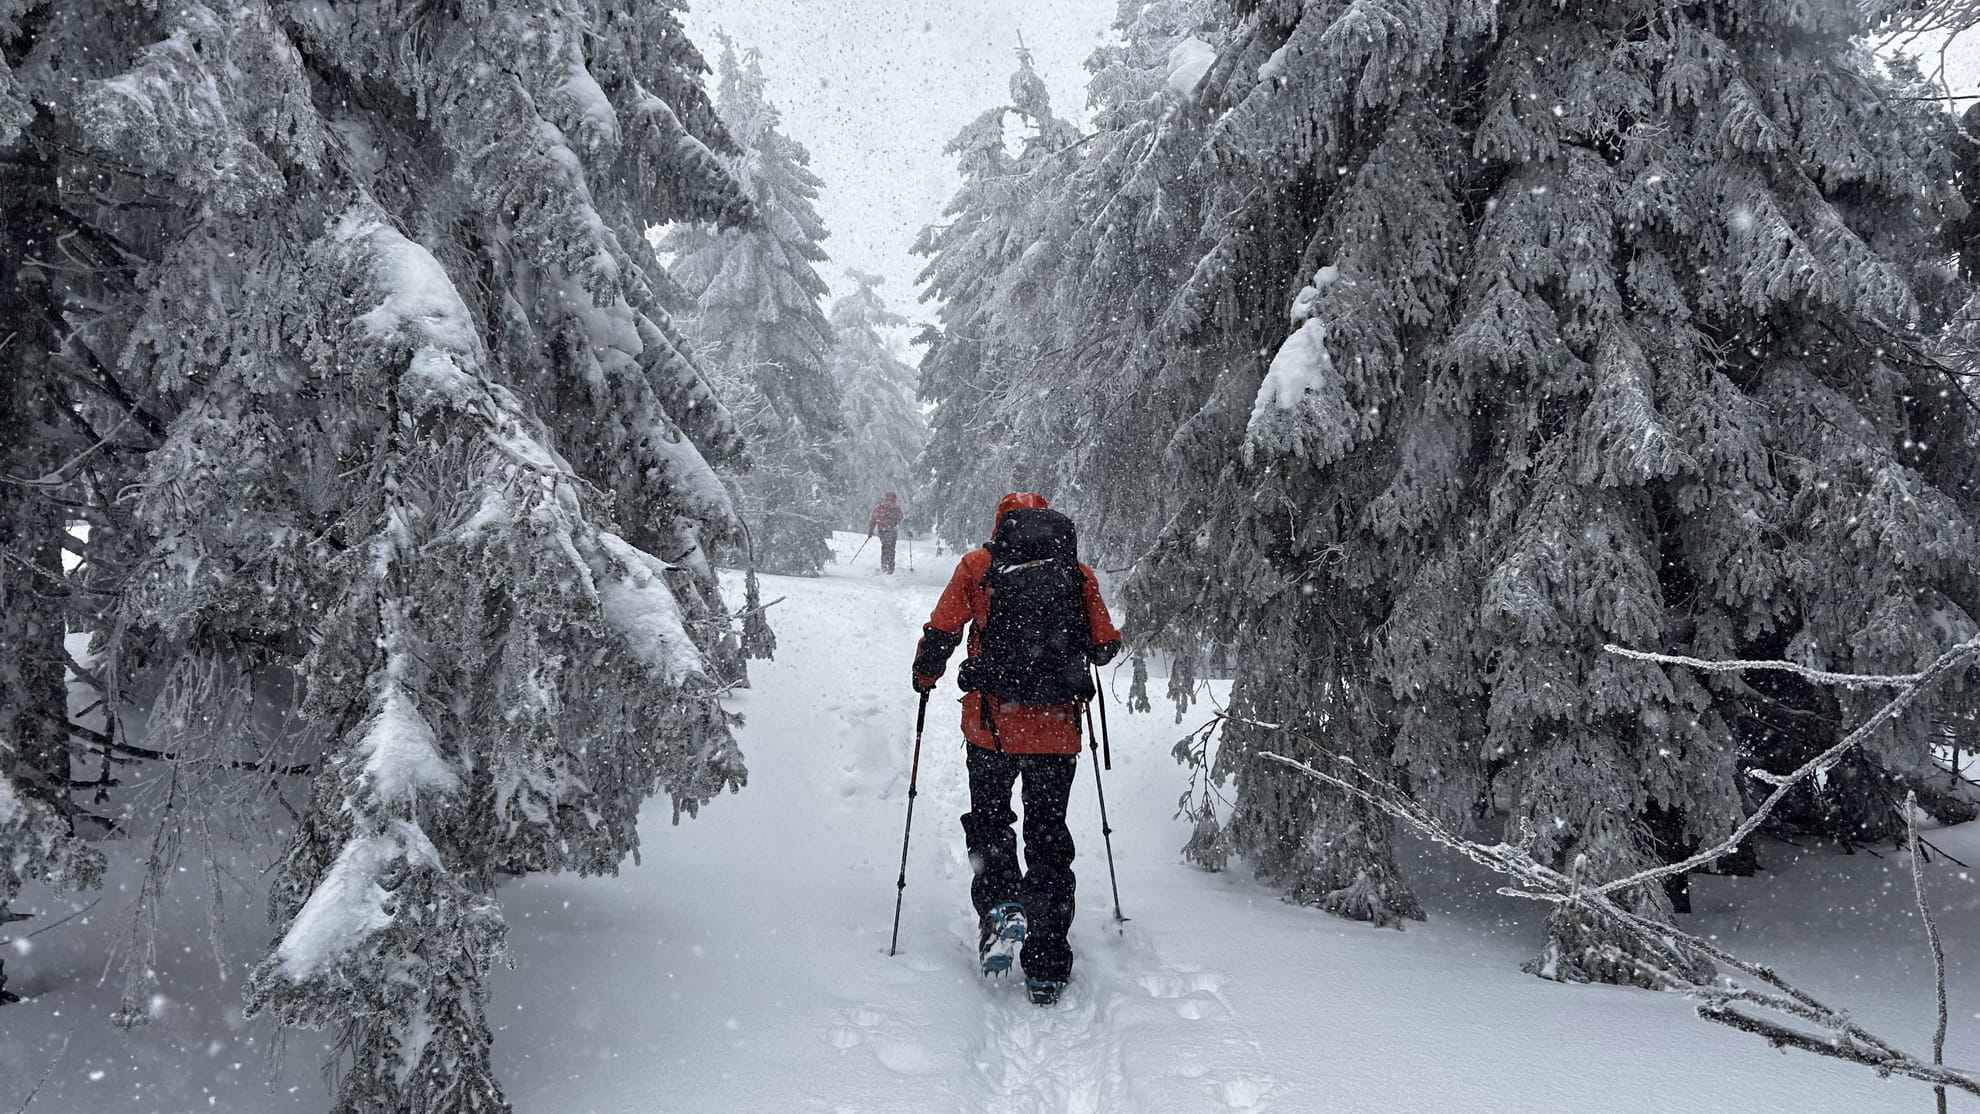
(931, 657)
(1104, 652)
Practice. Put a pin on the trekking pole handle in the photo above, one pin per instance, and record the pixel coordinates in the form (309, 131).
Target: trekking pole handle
(1106, 743)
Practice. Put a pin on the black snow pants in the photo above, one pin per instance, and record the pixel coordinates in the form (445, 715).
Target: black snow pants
(1045, 886)
(887, 540)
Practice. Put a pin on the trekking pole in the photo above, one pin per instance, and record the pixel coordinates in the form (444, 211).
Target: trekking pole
(860, 550)
(1106, 830)
(914, 773)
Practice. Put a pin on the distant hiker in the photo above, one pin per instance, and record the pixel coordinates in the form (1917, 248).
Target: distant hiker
(1036, 621)
(886, 521)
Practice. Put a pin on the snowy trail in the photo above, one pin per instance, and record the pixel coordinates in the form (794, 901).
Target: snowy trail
(1108, 1046)
(753, 939)
(742, 964)
(1084, 1055)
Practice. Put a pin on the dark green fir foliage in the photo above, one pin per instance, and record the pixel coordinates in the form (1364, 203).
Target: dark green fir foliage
(351, 355)
(1481, 335)
(756, 322)
(1610, 336)
(884, 426)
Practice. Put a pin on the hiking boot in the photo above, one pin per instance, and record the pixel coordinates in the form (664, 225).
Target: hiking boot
(1003, 931)
(1044, 992)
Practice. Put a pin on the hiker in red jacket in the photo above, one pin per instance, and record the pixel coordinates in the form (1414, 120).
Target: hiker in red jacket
(886, 521)
(1026, 677)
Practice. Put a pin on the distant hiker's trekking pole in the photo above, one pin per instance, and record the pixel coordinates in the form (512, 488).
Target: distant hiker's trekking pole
(1106, 830)
(860, 550)
(914, 773)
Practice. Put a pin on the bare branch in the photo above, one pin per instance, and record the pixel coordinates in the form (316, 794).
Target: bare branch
(11, 940)
(1931, 934)
(1783, 785)
(59, 476)
(1665, 948)
(759, 607)
(1819, 676)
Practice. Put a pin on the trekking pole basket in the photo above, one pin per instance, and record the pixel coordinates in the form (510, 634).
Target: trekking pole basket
(1106, 829)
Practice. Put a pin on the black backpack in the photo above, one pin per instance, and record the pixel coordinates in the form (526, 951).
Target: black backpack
(1035, 642)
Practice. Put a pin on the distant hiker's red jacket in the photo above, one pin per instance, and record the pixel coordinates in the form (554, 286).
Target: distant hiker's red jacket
(1023, 728)
(886, 516)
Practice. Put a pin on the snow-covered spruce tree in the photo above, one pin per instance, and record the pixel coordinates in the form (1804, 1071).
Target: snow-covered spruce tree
(1111, 220)
(756, 322)
(987, 267)
(1130, 220)
(37, 447)
(884, 428)
(37, 835)
(1087, 240)
(1588, 324)
(41, 443)
(356, 273)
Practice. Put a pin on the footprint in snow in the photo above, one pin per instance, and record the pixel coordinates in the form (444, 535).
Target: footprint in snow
(1179, 982)
(1244, 1093)
(889, 1037)
(1196, 1009)
(840, 1037)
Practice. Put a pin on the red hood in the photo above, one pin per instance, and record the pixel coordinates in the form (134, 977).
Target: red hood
(1016, 500)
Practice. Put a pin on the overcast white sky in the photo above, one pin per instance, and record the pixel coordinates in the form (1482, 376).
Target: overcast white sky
(875, 88)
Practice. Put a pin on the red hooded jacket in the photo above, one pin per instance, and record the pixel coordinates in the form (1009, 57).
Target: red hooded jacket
(1022, 728)
(887, 515)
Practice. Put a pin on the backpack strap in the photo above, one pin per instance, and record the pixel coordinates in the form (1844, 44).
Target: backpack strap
(989, 720)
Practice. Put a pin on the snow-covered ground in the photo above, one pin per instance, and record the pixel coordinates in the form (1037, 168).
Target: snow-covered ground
(742, 965)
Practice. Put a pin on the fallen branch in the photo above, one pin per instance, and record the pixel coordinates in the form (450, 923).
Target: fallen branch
(1931, 935)
(60, 1054)
(1914, 684)
(1836, 1036)
(1819, 676)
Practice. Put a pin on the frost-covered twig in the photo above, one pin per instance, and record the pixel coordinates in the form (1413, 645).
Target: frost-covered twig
(1914, 684)
(58, 477)
(1931, 934)
(48, 1074)
(11, 940)
(1819, 676)
(1837, 1036)
(759, 608)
